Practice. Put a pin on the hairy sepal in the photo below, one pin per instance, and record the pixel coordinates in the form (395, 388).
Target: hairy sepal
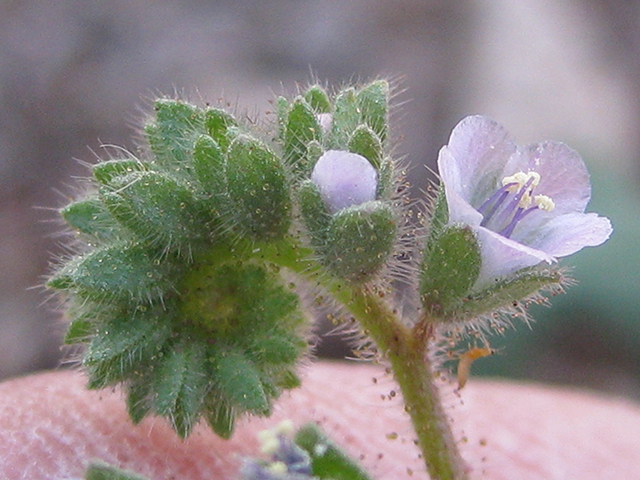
(301, 127)
(258, 188)
(449, 269)
(359, 241)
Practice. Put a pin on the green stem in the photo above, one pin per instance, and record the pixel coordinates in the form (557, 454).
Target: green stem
(407, 351)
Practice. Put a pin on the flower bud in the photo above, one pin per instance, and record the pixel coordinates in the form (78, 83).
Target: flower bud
(344, 179)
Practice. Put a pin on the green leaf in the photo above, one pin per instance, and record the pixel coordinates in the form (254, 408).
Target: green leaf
(449, 269)
(259, 190)
(328, 461)
(102, 471)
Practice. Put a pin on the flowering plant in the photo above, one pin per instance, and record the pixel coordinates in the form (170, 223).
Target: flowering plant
(198, 254)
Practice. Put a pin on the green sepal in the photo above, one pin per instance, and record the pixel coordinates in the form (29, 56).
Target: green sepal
(139, 397)
(209, 163)
(117, 271)
(104, 172)
(282, 114)
(449, 269)
(180, 385)
(121, 345)
(365, 142)
(359, 241)
(91, 217)
(373, 101)
(346, 118)
(504, 294)
(102, 471)
(276, 347)
(161, 211)
(221, 126)
(314, 152)
(79, 331)
(221, 418)
(439, 214)
(328, 461)
(239, 382)
(301, 128)
(258, 189)
(314, 211)
(172, 134)
(317, 98)
(386, 179)
(289, 380)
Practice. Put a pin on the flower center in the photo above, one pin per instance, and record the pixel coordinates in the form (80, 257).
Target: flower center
(515, 200)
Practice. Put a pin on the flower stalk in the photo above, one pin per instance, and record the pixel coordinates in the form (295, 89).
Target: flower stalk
(408, 355)
(407, 351)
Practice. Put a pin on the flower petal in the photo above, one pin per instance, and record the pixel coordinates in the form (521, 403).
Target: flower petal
(460, 211)
(477, 152)
(570, 233)
(563, 175)
(502, 256)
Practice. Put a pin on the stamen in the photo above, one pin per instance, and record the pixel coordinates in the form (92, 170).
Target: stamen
(518, 202)
(513, 201)
(544, 203)
(520, 214)
(521, 179)
(496, 199)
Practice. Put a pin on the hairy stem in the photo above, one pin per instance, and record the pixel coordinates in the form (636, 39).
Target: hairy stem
(407, 351)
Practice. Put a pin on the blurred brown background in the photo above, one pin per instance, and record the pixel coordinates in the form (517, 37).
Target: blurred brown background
(74, 74)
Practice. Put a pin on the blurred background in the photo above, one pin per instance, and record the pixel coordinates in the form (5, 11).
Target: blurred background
(76, 74)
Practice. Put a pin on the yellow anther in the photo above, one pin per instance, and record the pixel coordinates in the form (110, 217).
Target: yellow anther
(520, 179)
(278, 468)
(269, 439)
(544, 203)
(269, 444)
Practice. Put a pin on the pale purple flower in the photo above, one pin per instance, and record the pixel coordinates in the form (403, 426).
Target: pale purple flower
(344, 179)
(526, 204)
